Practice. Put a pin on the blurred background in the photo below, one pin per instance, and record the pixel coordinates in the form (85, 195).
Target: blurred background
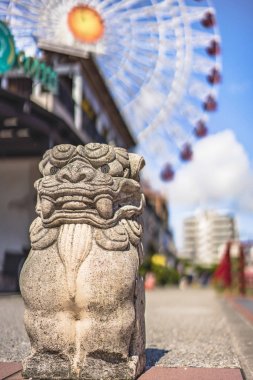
(168, 79)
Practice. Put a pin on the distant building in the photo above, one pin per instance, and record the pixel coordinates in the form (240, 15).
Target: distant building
(158, 237)
(204, 233)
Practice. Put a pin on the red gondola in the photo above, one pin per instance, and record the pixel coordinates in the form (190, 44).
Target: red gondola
(186, 153)
(209, 20)
(167, 174)
(214, 48)
(201, 129)
(210, 104)
(214, 77)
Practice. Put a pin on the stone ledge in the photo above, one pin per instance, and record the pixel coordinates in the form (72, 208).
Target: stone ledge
(12, 371)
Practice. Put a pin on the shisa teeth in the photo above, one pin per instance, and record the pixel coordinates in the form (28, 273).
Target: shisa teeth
(75, 198)
(74, 206)
(104, 207)
(47, 207)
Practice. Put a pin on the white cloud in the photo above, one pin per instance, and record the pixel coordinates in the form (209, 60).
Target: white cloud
(219, 173)
(220, 176)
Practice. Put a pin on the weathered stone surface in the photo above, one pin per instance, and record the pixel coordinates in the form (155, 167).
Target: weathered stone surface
(84, 298)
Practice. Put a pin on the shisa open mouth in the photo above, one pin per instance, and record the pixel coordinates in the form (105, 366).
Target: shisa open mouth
(97, 205)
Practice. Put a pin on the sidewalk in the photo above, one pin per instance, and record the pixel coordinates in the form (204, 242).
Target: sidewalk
(190, 328)
(189, 336)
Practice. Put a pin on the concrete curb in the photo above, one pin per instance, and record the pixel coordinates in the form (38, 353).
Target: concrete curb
(241, 331)
(12, 371)
(162, 373)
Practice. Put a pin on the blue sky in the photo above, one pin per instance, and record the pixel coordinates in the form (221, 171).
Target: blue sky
(221, 174)
(236, 92)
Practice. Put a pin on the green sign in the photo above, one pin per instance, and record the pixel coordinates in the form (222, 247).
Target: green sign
(38, 71)
(7, 49)
(32, 67)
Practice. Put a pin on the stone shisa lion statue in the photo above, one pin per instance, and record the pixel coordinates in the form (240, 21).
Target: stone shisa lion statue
(84, 298)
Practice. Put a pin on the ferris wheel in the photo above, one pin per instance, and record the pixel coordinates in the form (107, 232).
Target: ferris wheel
(160, 59)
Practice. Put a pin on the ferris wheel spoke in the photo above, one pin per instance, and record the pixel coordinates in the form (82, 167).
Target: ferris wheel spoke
(163, 114)
(202, 64)
(113, 7)
(132, 67)
(3, 9)
(198, 89)
(145, 64)
(21, 28)
(29, 7)
(124, 86)
(194, 14)
(129, 64)
(190, 111)
(159, 147)
(200, 39)
(10, 13)
(30, 4)
(175, 132)
(146, 13)
(131, 80)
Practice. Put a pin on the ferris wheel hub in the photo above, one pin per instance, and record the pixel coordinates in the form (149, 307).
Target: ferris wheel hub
(85, 23)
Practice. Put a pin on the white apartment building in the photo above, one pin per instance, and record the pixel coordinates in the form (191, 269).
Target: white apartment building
(204, 233)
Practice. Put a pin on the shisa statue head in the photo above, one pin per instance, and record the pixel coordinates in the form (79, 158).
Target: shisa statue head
(95, 184)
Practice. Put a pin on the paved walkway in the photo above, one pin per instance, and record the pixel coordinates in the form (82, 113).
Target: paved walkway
(14, 344)
(186, 331)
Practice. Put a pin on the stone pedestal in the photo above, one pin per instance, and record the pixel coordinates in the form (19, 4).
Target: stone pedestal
(84, 298)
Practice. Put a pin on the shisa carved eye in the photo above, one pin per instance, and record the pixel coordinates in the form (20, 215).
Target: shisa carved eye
(53, 170)
(105, 168)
